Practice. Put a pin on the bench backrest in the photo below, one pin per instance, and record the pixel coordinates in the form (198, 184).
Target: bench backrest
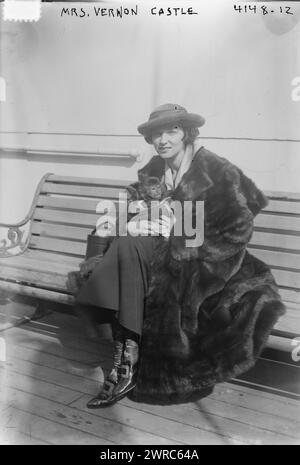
(276, 241)
(65, 214)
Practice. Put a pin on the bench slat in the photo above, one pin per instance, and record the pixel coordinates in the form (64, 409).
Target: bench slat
(277, 195)
(41, 261)
(37, 259)
(37, 293)
(278, 241)
(286, 295)
(290, 295)
(49, 280)
(275, 206)
(287, 278)
(278, 259)
(61, 231)
(89, 181)
(283, 278)
(291, 321)
(66, 217)
(263, 220)
(68, 203)
(283, 206)
(58, 245)
(287, 223)
(41, 256)
(283, 195)
(72, 203)
(282, 241)
(82, 191)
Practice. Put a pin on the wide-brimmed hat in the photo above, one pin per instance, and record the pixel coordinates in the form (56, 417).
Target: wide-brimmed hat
(169, 114)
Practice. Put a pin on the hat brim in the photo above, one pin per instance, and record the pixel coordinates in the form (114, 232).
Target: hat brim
(189, 120)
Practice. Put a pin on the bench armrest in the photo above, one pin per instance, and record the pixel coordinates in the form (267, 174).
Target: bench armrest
(14, 239)
(14, 235)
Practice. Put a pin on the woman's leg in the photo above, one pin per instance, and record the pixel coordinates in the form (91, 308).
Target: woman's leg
(121, 378)
(120, 281)
(105, 396)
(128, 368)
(133, 258)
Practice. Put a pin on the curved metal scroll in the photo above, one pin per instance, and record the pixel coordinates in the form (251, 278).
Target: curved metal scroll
(14, 239)
(14, 233)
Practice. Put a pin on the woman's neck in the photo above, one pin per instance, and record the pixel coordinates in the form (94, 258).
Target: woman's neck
(175, 162)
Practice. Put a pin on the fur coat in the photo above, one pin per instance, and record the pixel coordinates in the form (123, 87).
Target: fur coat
(209, 309)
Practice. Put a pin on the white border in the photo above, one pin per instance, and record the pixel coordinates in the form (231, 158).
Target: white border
(22, 10)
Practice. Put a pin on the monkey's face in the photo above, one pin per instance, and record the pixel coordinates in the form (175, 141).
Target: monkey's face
(153, 188)
(155, 192)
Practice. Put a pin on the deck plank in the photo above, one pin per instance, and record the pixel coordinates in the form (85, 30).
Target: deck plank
(68, 381)
(225, 418)
(258, 401)
(69, 356)
(31, 383)
(111, 430)
(229, 394)
(248, 421)
(35, 428)
(52, 370)
(195, 426)
(126, 416)
(13, 432)
(59, 362)
(45, 335)
(67, 348)
(68, 339)
(205, 428)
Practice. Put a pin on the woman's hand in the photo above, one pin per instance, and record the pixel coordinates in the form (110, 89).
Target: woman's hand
(106, 226)
(142, 228)
(166, 223)
(88, 265)
(162, 227)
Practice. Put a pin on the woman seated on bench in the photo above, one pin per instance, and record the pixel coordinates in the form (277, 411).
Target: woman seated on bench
(184, 318)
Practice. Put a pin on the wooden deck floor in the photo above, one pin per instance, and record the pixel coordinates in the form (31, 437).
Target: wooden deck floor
(50, 370)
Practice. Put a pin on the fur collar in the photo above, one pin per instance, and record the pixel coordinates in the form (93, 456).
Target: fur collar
(193, 183)
(206, 171)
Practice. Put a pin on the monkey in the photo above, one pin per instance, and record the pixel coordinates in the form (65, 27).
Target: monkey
(151, 188)
(143, 193)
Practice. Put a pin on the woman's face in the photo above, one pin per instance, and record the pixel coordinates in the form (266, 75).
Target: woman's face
(168, 142)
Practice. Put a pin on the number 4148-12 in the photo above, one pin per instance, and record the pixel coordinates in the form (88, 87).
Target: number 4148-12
(264, 9)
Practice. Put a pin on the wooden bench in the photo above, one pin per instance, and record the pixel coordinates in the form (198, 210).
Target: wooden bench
(51, 241)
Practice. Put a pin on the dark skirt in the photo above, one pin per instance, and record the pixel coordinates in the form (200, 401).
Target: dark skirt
(120, 281)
